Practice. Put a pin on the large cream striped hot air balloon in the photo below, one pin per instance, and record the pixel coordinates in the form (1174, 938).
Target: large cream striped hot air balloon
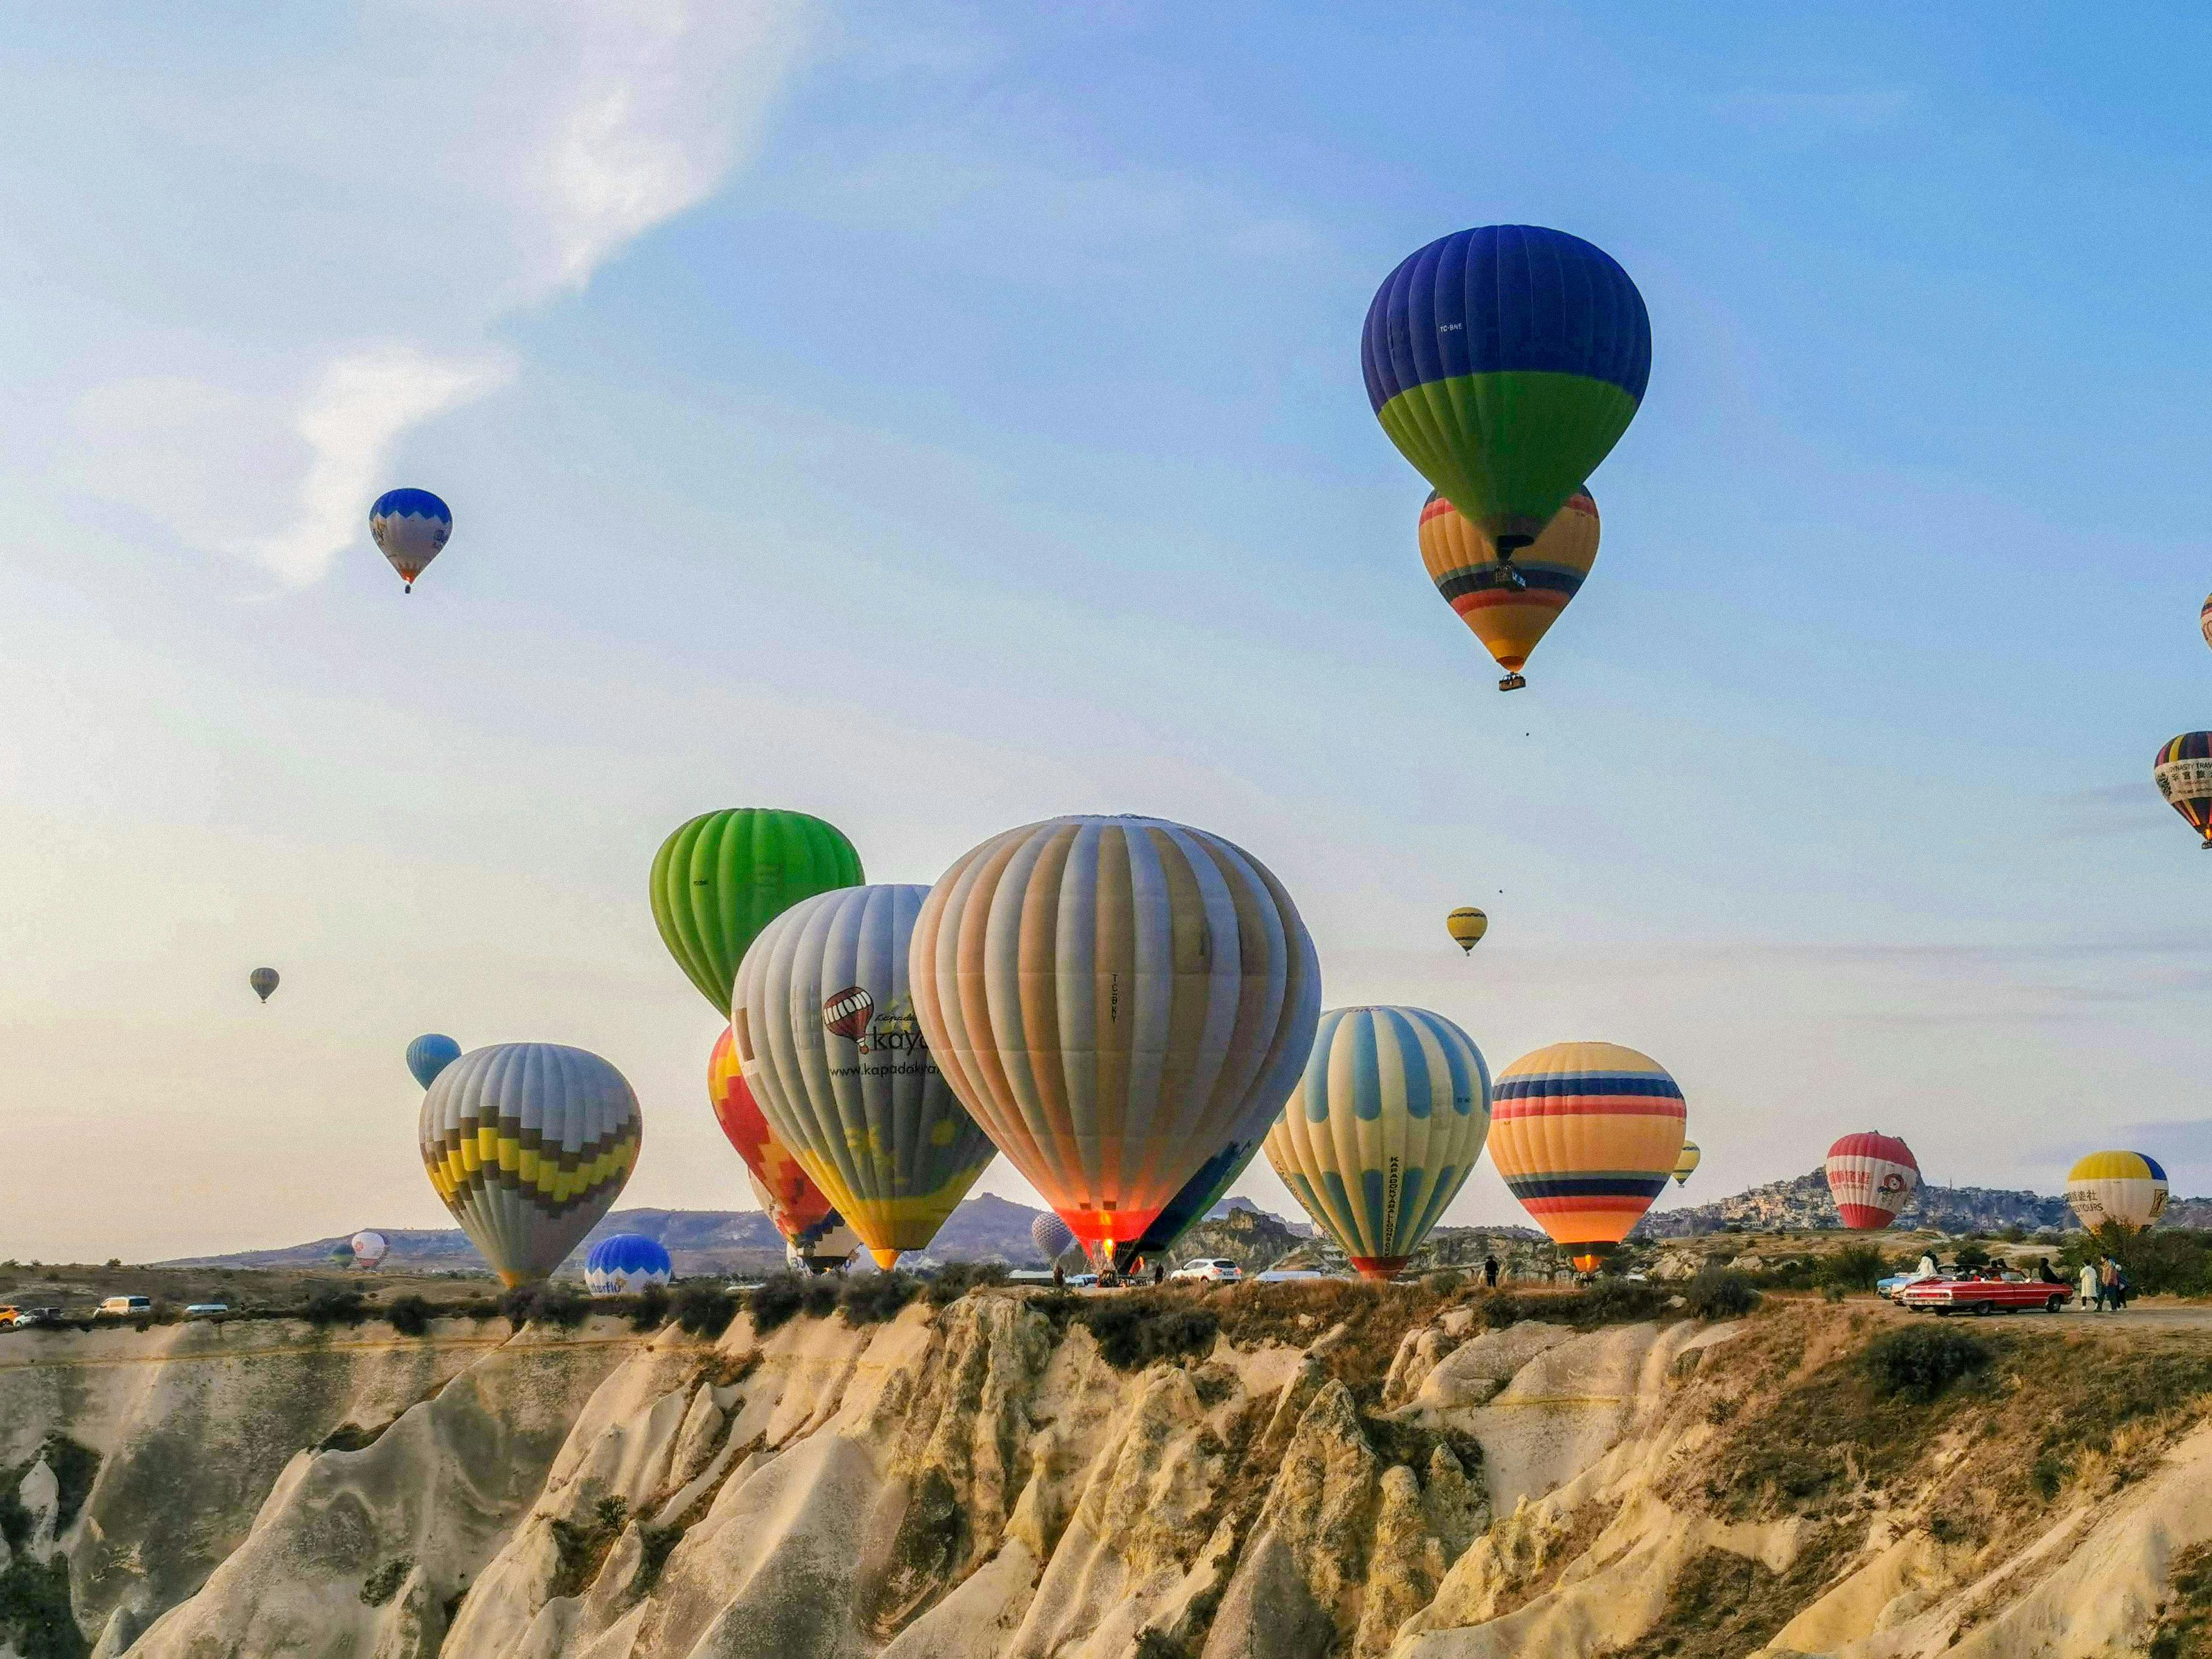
(529, 1144)
(1586, 1134)
(1383, 1130)
(2124, 1188)
(826, 1032)
(1118, 1000)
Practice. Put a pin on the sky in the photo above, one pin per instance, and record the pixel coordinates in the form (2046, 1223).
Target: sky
(939, 418)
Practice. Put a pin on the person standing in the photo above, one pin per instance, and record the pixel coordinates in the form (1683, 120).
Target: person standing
(2092, 1292)
(2108, 1286)
(1490, 1272)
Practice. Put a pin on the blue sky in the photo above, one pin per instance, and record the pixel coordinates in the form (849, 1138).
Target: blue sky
(941, 417)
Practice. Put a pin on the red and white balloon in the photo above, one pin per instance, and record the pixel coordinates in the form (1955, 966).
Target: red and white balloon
(1871, 1177)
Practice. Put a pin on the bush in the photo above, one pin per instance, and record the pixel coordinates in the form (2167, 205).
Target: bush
(545, 1304)
(1719, 1293)
(781, 1299)
(333, 1304)
(1617, 1302)
(382, 1584)
(1447, 1282)
(1921, 1361)
(650, 1311)
(949, 1283)
(1972, 1254)
(1854, 1267)
(1832, 1293)
(872, 1299)
(409, 1314)
(1133, 1331)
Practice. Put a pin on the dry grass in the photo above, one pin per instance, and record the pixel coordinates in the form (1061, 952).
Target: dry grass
(2184, 1620)
(1722, 1605)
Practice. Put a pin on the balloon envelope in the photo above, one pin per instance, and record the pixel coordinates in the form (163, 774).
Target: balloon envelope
(2183, 773)
(529, 1144)
(721, 878)
(430, 1055)
(369, 1248)
(1505, 363)
(1467, 926)
(1192, 1200)
(263, 981)
(622, 1263)
(810, 1224)
(1586, 1134)
(1118, 1000)
(1383, 1130)
(1464, 565)
(410, 527)
(1051, 1237)
(1686, 1163)
(2125, 1188)
(1871, 1177)
(2204, 619)
(856, 1096)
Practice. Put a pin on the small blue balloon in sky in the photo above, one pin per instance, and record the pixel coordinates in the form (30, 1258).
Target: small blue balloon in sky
(430, 1055)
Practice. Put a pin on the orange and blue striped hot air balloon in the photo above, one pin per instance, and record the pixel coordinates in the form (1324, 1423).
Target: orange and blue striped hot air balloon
(1586, 1134)
(2183, 773)
(1464, 565)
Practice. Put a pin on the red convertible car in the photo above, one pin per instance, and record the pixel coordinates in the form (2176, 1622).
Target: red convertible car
(1982, 1295)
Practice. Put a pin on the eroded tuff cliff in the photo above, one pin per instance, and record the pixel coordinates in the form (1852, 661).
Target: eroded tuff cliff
(1339, 1471)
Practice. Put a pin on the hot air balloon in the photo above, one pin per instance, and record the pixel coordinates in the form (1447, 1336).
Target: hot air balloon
(1687, 1164)
(1871, 1177)
(1467, 926)
(1195, 1198)
(1052, 1238)
(1586, 1134)
(264, 981)
(2184, 775)
(856, 1096)
(1509, 619)
(1118, 1000)
(1383, 1130)
(369, 1249)
(810, 1224)
(2204, 619)
(430, 1055)
(529, 1144)
(2125, 1189)
(622, 1264)
(724, 876)
(1505, 363)
(411, 528)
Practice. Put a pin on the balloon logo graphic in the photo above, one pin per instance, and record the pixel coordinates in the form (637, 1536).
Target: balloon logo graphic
(847, 1013)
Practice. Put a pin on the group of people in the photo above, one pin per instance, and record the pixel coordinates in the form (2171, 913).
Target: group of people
(2104, 1286)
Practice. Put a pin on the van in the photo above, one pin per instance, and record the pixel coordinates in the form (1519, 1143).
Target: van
(124, 1307)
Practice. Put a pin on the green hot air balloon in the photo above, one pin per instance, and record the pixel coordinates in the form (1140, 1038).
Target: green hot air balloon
(725, 876)
(1505, 362)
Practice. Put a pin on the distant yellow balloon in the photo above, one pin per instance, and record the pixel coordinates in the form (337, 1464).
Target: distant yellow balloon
(1467, 926)
(1507, 619)
(1687, 1163)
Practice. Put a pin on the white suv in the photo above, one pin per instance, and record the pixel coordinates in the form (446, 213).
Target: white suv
(1218, 1270)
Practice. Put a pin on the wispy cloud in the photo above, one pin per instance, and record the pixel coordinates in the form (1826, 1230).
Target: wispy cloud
(535, 143)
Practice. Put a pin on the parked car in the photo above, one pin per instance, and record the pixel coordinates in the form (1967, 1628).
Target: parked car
(1982, 1295)
(1887, 1288)
(207, 1310)
(1212, 1270)
(1082, 1281)
(124, 1307)
(11, 1317)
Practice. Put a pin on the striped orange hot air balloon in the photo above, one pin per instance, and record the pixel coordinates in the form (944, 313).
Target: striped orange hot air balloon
(1586, 1134)
(1509, 619)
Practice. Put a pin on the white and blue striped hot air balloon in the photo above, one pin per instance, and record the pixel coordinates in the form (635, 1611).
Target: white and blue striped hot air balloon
(1383, 1130)
(622, 1263)
(411, 528)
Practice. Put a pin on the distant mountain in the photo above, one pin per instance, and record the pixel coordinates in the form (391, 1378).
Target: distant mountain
(1803, 1202)
(1298, 1226)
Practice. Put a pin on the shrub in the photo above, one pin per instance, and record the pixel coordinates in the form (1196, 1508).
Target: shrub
(381, 1585)
(409, 1314)
(1719, 1293)
(1447, 1282)
(650, 1311)
(1133, 1331)
(1502, 1307)
(1972, 1254)
(1617, 1302)
(778, 1300)
(1921, 1361)
(545, 1304)
(333, 1304)
(949, 1283)
(1832, 1293)
(1854, 1267)
(872, 1299)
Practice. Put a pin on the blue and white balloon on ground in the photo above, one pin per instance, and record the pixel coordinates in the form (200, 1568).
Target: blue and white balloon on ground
(411, 528)
(430, 1055)
(624, 1263)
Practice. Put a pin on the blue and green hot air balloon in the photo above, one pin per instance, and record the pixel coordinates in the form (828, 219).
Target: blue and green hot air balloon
(1505, 363)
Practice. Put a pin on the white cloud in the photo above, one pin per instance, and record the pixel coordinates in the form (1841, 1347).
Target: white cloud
(514, 150)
